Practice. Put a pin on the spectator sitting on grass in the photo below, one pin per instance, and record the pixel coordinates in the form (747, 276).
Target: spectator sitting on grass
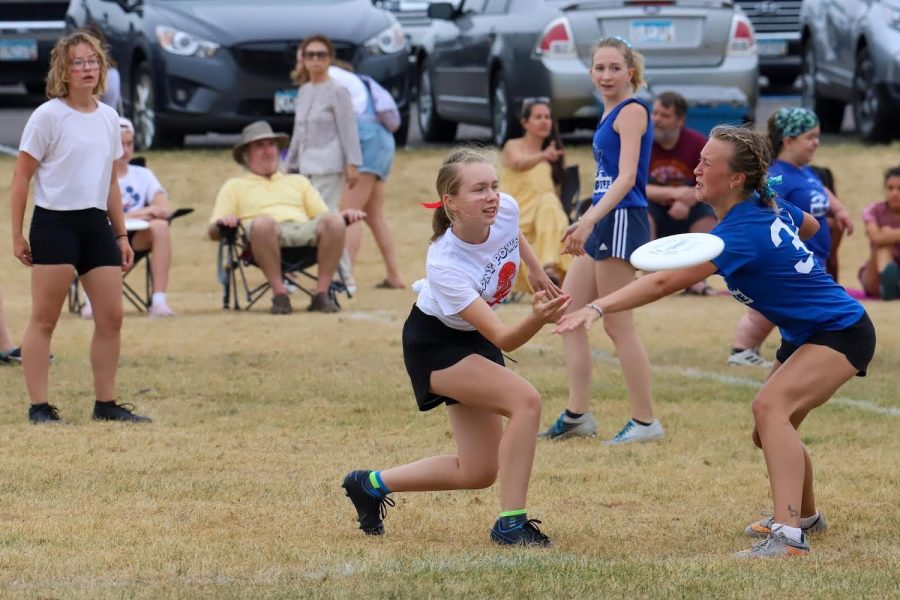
(880, 276)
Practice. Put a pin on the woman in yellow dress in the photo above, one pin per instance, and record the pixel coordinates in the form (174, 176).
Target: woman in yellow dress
(532, 172)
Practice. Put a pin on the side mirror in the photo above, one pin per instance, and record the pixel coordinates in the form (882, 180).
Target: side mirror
(441, 10)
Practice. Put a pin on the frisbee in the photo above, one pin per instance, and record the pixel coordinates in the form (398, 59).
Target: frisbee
(677, 251)
(136, 225)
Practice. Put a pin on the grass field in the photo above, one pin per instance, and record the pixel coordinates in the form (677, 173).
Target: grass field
(234, 490)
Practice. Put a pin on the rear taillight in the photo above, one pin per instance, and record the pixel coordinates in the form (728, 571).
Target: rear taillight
(557, 39)
(742, 40)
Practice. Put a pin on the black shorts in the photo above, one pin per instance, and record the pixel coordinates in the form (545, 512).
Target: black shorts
(81, 238)
(666, 225)
(429, 345)
(856, 342)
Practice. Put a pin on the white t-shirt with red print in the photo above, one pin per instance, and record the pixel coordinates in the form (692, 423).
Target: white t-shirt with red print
(458, 273)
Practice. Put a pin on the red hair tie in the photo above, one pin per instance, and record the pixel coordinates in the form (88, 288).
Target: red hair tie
(432, 205)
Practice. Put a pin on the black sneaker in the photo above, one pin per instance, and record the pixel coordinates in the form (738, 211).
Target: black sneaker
(14, 356)
(370, 510)
(43, 413)
(526, 534)
(110, 411)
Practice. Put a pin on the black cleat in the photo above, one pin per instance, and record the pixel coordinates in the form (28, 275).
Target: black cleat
(526, 534)
(110, 411)
(43, 413)
(370, 509)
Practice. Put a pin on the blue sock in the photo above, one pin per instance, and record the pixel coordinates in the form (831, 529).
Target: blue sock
(512, 519)
(375, 486)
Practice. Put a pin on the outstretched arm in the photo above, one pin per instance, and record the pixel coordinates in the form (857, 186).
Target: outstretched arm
(639, 292)
(509, 337)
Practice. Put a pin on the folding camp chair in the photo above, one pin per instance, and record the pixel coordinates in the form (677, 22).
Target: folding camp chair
(235, 255)
(572, 205)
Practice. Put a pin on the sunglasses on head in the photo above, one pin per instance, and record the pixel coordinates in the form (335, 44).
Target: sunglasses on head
(315, 54)
(532, 100)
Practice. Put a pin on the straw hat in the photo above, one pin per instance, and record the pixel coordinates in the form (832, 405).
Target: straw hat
(260, 130)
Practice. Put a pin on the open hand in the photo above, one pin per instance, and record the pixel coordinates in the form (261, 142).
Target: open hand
(574, 238)
(540, 282)
(580, 318)
(548, 309)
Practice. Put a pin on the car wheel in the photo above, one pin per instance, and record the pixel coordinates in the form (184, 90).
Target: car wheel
(432, 126)
(504, 124)
(829, 111)
(870, 111)
(147, 131)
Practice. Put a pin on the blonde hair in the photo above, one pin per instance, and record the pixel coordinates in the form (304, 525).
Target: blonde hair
(751, 157)
(300, 74)
(633, 58)
(448, 182)
(61, 63)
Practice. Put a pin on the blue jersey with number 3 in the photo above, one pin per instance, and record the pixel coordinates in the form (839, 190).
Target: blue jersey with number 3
(767, 267)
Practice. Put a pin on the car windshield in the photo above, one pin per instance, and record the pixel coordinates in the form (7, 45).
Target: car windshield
(291, 2)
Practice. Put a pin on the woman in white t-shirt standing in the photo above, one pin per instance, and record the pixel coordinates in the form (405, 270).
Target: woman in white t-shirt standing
(452, 344)
(68, 147)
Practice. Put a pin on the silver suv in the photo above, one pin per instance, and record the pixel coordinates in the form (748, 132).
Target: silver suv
(851, 54)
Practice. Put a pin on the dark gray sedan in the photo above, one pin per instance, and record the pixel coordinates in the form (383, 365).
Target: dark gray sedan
(193, 66)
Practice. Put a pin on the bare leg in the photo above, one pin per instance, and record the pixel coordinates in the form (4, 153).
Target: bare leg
(330, 246)
(613, 274)
(807, 380)
(358, 197)
(580, 283)
(103, 286)
(6, 342)
(266, 241)
(49, 286)
(158, 239)
(752, 330)
(485, 391)
(382, 234)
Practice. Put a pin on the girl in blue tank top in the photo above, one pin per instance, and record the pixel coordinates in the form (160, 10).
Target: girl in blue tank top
(827, 336)
(602, 242)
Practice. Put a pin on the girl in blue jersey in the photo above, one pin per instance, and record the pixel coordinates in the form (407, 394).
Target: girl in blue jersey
(794, 138)
(827, 336)
(603, 239)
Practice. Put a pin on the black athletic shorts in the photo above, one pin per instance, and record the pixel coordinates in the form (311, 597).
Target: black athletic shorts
(429, 345)
(666, 225)
(856, 342)
(82, 238)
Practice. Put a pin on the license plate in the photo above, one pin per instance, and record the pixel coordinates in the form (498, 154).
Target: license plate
(18, 50)
(772, 47)
(284, 101)
(652, 32)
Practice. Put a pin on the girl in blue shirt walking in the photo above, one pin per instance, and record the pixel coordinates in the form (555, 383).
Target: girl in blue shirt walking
(827, 336)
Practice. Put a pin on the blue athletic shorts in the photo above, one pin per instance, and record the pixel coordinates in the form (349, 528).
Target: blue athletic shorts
(619, 234)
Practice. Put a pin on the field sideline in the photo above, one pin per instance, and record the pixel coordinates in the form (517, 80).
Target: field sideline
(234, 491)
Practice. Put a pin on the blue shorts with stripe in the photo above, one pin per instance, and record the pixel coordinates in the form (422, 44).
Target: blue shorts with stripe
(619, 234)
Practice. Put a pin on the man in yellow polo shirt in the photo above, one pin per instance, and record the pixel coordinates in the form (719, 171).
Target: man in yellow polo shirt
(277, 211)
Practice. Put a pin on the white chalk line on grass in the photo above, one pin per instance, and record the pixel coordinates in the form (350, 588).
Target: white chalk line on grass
(692, 373)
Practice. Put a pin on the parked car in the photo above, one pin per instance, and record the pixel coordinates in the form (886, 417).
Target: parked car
(193, 66)
(29, 32)
(851, 54)
(777, 27)
(482, 58)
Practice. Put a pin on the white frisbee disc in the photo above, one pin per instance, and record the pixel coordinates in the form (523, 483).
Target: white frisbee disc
(677, 251)
(136, 224)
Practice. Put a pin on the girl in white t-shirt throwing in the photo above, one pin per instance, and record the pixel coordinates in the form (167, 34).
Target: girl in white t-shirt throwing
(68, 147)
(452, 344)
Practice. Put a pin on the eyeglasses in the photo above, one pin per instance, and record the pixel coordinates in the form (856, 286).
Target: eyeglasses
(79, 64)
(315, 54)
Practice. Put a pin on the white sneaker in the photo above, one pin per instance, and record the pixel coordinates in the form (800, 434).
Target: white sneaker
(634, 432)
(87, 312)
(565, 427)
(160, 311)
(749, 358)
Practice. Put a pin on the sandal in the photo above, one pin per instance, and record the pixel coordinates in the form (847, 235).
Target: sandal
(703, 290)
(385, 284)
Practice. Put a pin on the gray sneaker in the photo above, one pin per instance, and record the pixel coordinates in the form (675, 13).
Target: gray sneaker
(633, 432)
(565, 427)
(776, 545)
(764, 527)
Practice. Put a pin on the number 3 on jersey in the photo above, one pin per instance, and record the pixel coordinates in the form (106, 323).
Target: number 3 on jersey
(801, 266)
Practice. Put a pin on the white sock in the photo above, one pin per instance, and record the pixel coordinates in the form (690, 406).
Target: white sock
(806, 522)
(792, 533)
(159, 298)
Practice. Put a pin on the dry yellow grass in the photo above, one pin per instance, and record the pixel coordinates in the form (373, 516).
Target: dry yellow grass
(234, 490)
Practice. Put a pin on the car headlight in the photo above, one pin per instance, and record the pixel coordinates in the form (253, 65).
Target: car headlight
(183, 43)
(389, 41)
(892, 15)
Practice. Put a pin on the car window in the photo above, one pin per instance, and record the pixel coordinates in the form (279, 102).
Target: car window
(486, 7)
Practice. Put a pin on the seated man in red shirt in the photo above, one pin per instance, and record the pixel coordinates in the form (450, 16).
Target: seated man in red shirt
(675, 153)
